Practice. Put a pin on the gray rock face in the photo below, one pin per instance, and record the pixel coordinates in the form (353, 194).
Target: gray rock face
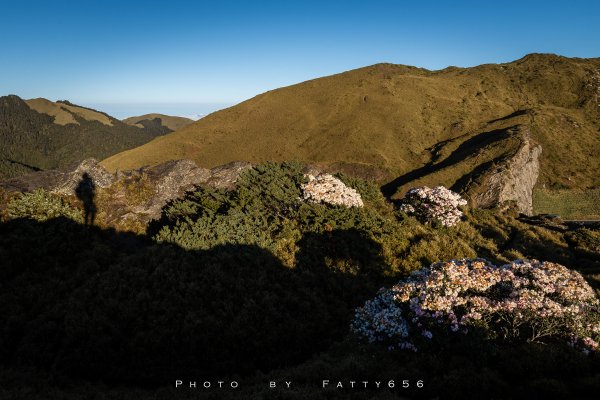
(594, 84)
(61, 182)
(513, 181)
(137, 195)
(170, 181)
(225, 176)
(69, 180)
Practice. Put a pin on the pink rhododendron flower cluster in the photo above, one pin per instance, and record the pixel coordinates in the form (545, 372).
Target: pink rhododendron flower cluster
(520, 301)
(429, 205)
(326, 188)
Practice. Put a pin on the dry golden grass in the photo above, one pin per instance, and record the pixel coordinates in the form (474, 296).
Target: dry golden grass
(171, 122)
(569, 204)
(63, 113)
(43, 106)
(90, 115)
(391, 118)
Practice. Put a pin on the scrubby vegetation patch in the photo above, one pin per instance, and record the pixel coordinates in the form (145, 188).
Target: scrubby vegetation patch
(41, 205)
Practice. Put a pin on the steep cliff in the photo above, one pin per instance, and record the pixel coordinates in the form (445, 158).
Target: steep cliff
(512, 181)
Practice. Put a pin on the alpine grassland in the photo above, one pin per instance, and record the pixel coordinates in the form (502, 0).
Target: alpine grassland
(407, 127)
(569, 204)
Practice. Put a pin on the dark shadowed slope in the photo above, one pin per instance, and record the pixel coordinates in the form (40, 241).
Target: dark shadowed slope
(41, 134)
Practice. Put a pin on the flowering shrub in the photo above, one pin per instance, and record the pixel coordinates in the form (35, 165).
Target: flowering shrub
(437, 204)
(520, 301)
(326, 188)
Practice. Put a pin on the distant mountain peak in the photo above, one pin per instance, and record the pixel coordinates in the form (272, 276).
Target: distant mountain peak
(172, 123)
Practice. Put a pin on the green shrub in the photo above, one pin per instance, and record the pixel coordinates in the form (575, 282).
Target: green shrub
(370, 193)
(42, 206)
(265, 211)
(249, 280)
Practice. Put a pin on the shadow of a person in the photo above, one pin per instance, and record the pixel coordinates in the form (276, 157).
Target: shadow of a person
(86, 191)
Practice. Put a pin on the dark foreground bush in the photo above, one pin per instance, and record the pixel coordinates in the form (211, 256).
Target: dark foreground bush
(251, 284)
(113, 307)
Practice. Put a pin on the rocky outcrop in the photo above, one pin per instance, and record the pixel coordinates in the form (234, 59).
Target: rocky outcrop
(169, 181)
(130, 196)
(59, 181)
(512, 181)
(326, 188)
(594, 85)
(225, 176)
(70, 179)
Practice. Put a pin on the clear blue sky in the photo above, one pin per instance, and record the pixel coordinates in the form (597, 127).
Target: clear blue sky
(182, 54)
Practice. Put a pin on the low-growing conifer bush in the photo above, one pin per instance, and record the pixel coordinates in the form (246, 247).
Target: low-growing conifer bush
(41, 205)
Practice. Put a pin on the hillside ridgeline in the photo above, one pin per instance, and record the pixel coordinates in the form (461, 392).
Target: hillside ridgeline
(406, 126)
(168, 123)
(39, 134)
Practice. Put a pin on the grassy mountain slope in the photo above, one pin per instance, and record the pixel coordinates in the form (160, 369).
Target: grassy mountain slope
(64, 113)
(390, 120)
(168, 122)
(40, 134)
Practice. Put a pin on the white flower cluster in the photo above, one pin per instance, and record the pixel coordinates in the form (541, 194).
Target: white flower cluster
(523, 300)
(429, 205)
(325, 188)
